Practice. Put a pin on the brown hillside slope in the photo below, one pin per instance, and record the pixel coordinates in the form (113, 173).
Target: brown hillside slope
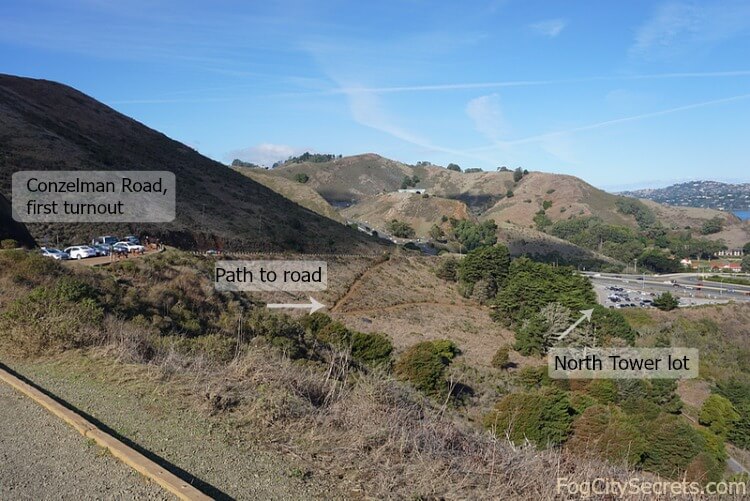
(350, 179)
(420, 213)
(298, 193)
(570, 197)
(46, 125)
(735, 233)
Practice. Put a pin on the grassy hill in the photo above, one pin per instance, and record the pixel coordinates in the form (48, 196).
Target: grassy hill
(570, 197)
(49, 126)
(351, 179)
(366, 181)
(419, 212)
(299, 193)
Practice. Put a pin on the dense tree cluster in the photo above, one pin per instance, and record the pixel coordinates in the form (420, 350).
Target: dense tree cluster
(713, 225)
(315, 158)
(400, 229)
(471, 235)
(409, 182)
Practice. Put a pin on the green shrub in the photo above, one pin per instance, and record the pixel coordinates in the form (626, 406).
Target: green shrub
(531, 377)
(424, 366)
(8, 243)
(301, 177)
(739, 433)
(580, 401)
(371, 349)
(399, 229)
(672, 445)
(713, 225)
(315, 322)
(666, 301)
(448, 269)
(43, 322)
(603, 390)
(610, 433)
(718, 414)
(663, 392)
(501, 359)
(543, 416)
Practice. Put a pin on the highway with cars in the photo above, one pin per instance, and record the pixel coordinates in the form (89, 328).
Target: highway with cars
(693, 289)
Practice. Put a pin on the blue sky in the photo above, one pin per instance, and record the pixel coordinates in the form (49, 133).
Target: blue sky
(622, 94)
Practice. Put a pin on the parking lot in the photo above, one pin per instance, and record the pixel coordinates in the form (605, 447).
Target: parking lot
(639, 292)
(102, 250)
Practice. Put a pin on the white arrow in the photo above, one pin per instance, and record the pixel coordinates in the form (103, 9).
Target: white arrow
(313, 306)
(586, 316)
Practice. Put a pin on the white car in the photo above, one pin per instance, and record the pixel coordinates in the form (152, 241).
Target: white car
(56, 254)
(80, 252)
(130, 247)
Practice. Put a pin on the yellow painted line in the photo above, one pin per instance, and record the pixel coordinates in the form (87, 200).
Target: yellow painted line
(127, 455)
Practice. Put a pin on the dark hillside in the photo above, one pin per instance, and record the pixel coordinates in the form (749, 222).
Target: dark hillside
(46, 125)
(11, 229)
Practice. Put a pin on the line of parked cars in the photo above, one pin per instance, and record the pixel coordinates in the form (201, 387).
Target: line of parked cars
(100, 246)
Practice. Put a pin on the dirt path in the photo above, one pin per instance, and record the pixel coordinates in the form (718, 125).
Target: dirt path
(42, 458)
(413, 304)
(355, 285)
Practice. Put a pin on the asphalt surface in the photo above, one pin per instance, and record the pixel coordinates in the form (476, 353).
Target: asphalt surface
(691, 288)
(43, 458)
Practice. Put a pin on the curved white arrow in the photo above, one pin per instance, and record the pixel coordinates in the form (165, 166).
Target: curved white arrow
(313, 306)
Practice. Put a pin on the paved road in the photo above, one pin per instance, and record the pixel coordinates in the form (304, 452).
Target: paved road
(42, 458)
(690, 287)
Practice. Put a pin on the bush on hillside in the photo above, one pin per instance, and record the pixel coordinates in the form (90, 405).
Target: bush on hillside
(448, 269)
(672, 446)
(609, 433)
(45, 321)
(424, 365)
(501, 359)
(371, 349)
(718, 414)
(543, 417)
(400, 229)
(8, 243)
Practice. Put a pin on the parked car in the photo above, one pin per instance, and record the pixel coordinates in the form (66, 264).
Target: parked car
(107, 240)
(80, 252)
(102, 249)
(130, 247)
(132, 239)
(55, 253)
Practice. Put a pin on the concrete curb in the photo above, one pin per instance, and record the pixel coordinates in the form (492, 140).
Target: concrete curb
(127, 455)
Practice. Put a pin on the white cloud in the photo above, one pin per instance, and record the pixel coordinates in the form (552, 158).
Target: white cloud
(487, 115)
(682, 27)
(549, 27)
(265, 154)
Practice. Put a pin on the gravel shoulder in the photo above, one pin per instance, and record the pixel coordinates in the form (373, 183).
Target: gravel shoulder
(161, 420)
(43, 458)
